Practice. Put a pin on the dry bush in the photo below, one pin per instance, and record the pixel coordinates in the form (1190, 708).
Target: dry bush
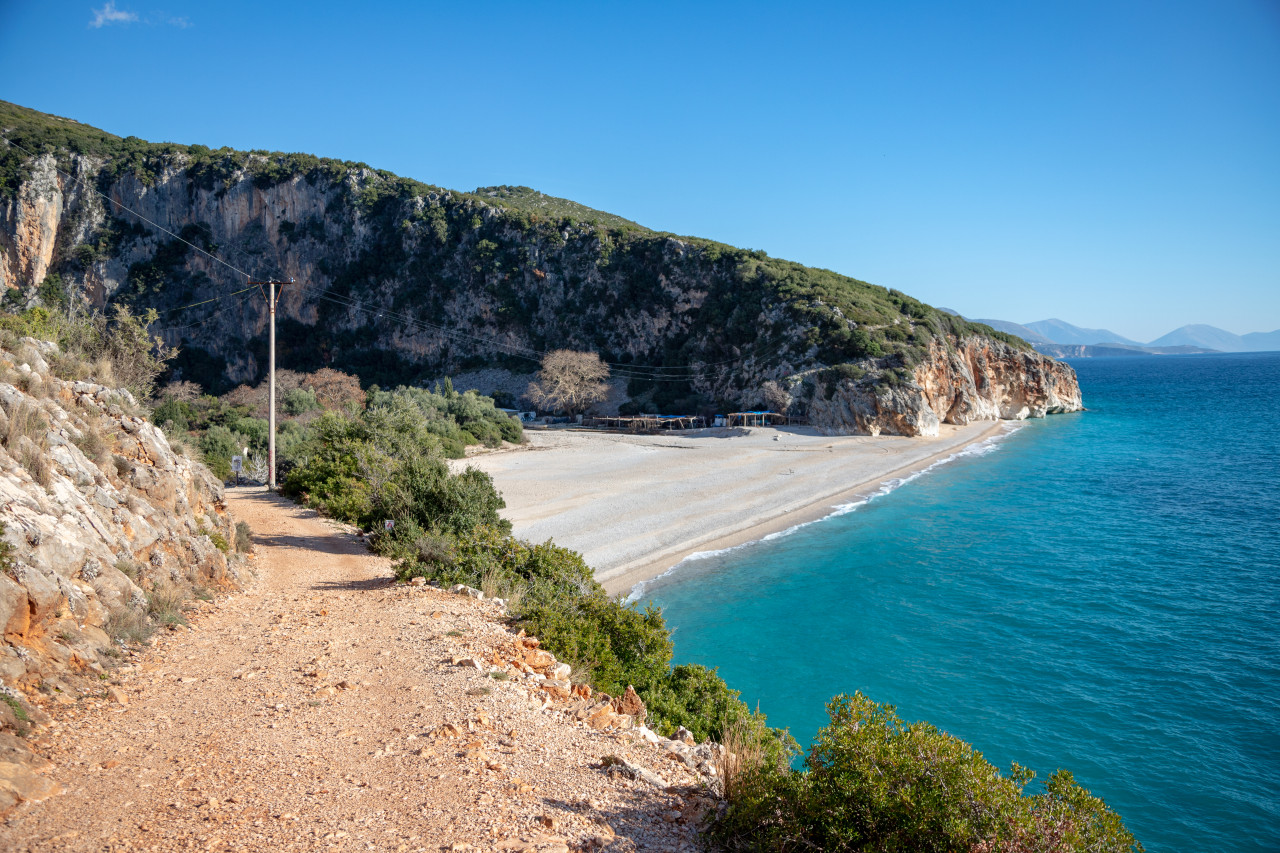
(255, 399)
(32, 385)
(25, 421)
(182, 444)
(495, 585)
(335, 389)
(775, 398)
(244, 538)
(93, 444)
(129, 625)
(70, 367)
(36, 461)
(27, 353)
(103, 372)
(257, 469)
(164, 604)
(741, 755)
(184, 392)
(26, 436)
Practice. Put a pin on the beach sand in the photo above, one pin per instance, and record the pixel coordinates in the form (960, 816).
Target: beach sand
(634, 506)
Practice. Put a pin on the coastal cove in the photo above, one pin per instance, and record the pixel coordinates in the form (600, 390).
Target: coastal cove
(1097, 593)
(634, 506)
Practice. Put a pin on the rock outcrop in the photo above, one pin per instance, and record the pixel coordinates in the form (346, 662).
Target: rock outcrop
(975, 379)
(105, 528)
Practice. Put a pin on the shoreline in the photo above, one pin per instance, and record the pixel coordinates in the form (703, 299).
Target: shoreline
(635, 506)
(624, 579)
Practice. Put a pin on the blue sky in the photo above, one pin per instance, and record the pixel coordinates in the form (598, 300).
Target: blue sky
(1113, 164)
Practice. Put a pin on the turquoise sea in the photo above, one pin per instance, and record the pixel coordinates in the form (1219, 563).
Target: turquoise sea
(1097, 591)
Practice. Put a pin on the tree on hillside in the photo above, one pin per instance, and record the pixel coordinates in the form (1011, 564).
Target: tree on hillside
(774, 397)
(335, 389)
(570, 381)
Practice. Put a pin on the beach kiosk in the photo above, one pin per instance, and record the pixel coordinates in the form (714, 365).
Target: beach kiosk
(749, 419)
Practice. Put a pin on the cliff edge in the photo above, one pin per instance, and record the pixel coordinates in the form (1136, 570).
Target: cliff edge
(962, 381)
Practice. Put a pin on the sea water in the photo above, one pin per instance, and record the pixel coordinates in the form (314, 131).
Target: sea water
(1095, 591)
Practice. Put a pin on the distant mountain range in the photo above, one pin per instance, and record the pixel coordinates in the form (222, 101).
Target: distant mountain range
(1062, 339)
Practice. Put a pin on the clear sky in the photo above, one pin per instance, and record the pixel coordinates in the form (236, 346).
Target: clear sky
(1114, 164)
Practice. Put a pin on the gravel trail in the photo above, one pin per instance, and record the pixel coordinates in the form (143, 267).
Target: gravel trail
(322, 710)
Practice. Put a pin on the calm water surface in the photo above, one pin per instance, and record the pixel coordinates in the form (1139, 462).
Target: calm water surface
(1096, 591)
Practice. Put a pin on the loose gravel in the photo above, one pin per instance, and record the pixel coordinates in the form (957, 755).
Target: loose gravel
(321, 709)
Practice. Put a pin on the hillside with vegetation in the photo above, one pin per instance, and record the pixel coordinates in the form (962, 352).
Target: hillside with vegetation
(399, 280)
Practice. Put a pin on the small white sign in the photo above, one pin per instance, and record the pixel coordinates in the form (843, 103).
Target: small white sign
(389, 524)
(237, 464)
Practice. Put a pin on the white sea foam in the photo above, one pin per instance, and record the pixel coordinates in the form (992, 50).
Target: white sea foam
(979, 448)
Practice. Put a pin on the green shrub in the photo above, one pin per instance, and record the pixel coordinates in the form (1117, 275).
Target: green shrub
(615, 644)
(873, 782)
(299, 401)
(176, 413)
(6, 553)
(387, 464)
(219, 541)
(217, 446)
(694, 697)
(19, 712)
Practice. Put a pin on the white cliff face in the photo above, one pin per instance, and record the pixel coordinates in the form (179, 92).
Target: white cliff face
(975, 379)
(99, 511)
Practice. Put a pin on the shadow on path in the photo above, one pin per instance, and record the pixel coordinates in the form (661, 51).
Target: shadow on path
(365, 585)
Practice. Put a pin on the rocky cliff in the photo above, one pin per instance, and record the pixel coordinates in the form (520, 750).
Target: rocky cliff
(398, 281)
(971, 379)
(106, 529)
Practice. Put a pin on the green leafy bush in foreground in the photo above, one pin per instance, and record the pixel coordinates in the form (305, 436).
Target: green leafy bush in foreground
(387, 463)
(874, 783)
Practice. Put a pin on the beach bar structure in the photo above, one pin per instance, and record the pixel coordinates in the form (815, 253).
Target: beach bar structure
(647, 423)
(757, 419)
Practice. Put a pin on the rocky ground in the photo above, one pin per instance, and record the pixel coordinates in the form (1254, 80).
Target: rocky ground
(326, 708)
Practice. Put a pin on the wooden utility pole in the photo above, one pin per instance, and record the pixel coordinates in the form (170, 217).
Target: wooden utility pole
(271, 294)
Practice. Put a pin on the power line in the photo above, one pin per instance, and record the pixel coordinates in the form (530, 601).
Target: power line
(656, 372)
(155, 225)
(631, 371)
(215, 314)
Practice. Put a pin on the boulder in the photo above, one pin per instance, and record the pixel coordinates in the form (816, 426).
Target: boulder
(629, 703)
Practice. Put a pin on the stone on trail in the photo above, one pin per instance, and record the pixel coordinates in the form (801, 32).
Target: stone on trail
(621, 767)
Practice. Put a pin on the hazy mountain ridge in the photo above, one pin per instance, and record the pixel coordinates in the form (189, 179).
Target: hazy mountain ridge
(1200, 335)
(1052, 337)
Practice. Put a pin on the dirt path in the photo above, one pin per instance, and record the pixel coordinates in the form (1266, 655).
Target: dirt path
(310, 712)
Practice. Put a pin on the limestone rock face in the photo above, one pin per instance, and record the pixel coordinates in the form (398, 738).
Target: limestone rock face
(29, 223)
(99, 512)
(492, 279)
(973, 379)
